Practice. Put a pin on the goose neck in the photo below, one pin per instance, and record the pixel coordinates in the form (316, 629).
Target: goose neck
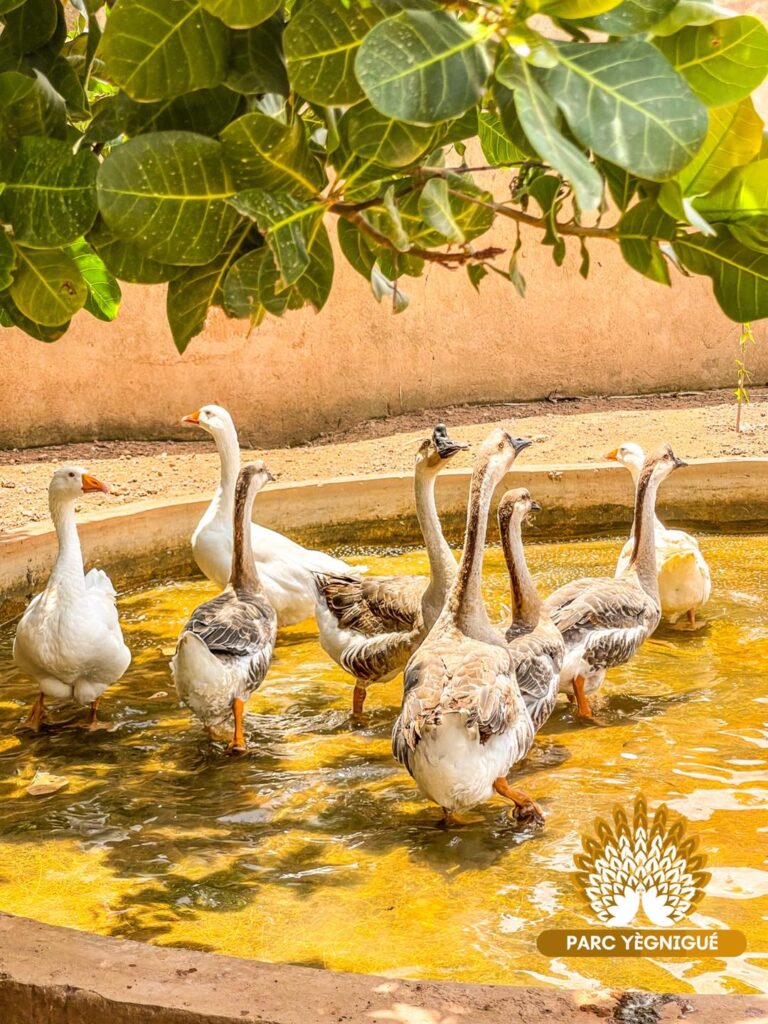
(465, 599)
(643, 559)
(69, 560)
(525, 600)
(229, 456)
(244, 576)
(442, 564)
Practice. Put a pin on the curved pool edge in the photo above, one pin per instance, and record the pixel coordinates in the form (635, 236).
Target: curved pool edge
(149, 540)
(54, 975)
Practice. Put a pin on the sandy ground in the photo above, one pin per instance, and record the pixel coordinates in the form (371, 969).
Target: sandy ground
(568, 431)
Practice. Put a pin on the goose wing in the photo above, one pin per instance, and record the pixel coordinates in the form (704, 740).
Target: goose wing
(537, 657)
(230, 626)
(597, 603)
(472, 679)
(373, 604)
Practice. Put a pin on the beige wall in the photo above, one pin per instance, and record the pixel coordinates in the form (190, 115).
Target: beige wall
(291, 379)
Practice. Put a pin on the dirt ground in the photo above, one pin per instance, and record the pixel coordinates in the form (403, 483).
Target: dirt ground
(564, 431)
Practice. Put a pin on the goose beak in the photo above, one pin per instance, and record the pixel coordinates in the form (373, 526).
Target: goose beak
(271, 477)
(679, 463)
(520, 443)
(90, 483)
(535, 506)
(447, 447)
(612, 456)
(193, 420)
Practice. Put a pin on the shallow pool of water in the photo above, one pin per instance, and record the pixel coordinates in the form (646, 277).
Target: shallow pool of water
(317, 849)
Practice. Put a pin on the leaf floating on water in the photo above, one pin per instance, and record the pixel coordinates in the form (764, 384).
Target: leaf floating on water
(167, 652)
(44, 784)
(159, 695)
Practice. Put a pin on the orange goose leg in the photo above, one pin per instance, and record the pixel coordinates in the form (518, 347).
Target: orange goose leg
(526, 809)
(582, 703)
(237, 744)
(37, 714)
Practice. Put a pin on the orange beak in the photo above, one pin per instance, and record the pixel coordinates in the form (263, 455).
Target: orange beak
(90, 483)
(193, 420)
(612, 456)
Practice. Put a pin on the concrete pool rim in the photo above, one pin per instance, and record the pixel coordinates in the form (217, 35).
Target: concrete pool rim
(149, 539)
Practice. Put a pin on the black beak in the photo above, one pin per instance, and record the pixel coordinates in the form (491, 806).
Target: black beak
(679, 463)
(445, 446)
(271, 476)
(535, 506)
(519, 443)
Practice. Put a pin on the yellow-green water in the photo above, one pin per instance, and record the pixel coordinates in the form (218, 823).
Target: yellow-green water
(317, 849)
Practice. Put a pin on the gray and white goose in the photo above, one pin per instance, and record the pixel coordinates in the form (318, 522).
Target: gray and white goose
(603, 620)
(226, 647)
(371, 625)
(534, 641)
(463, 722)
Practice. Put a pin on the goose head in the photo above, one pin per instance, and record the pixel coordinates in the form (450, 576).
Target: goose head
(628, 454)
(516, 507)
(71, 482)
(211, 418)
(435, 451)
(253, 476)
(499, 450)
(661, 462)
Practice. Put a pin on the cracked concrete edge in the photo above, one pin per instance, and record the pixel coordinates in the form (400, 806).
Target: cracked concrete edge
(54, 975)
(150, 540)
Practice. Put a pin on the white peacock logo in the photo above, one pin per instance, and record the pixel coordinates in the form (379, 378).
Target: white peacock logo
(628, 865)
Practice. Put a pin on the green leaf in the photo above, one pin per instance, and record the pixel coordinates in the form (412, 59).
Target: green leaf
(205, 111)
(7, 261)
(498, 148)
(166, 192)
(739, 275)
(510, 122)
(741, 196)
(104, 293)
(263, 153)
(570, 9)
(256, 62)
(734, 137)
(639, 228)
(321, 41)
(632, 16)
(48, 288)
(621, 185)
(688, 12)
(285, 222)
(356, 247)
(539, 118)
(435, 208)
(49, 197)
(29, 105)
(65, 80)
(470, 209)
(253, 285)
(9, 5)
(192, 294)
(126, 261)
(11, 316)
(374, 136)
(154, 49)
(645, 120)
(387, 291)
(241, 13)
(476, 272)
(30, 25)
(722, 62)
(422, 66)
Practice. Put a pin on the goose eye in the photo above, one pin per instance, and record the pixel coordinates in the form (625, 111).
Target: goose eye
(501, 446)
(72, 476)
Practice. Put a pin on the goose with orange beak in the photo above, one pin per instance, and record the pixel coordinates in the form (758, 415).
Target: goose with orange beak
(685, 582)
(286, 569)
(69, 639)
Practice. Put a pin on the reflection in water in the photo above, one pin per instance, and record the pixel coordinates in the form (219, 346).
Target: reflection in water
(316, 847)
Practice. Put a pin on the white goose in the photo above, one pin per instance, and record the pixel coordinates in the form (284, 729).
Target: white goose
(69, 638)
(285, 568)
(685, 583)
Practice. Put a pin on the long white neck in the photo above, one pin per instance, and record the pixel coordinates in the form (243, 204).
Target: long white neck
(465, 598)
(223, 503)
(526, 603)
(643, 559)
(442, 564)
(68, 567)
